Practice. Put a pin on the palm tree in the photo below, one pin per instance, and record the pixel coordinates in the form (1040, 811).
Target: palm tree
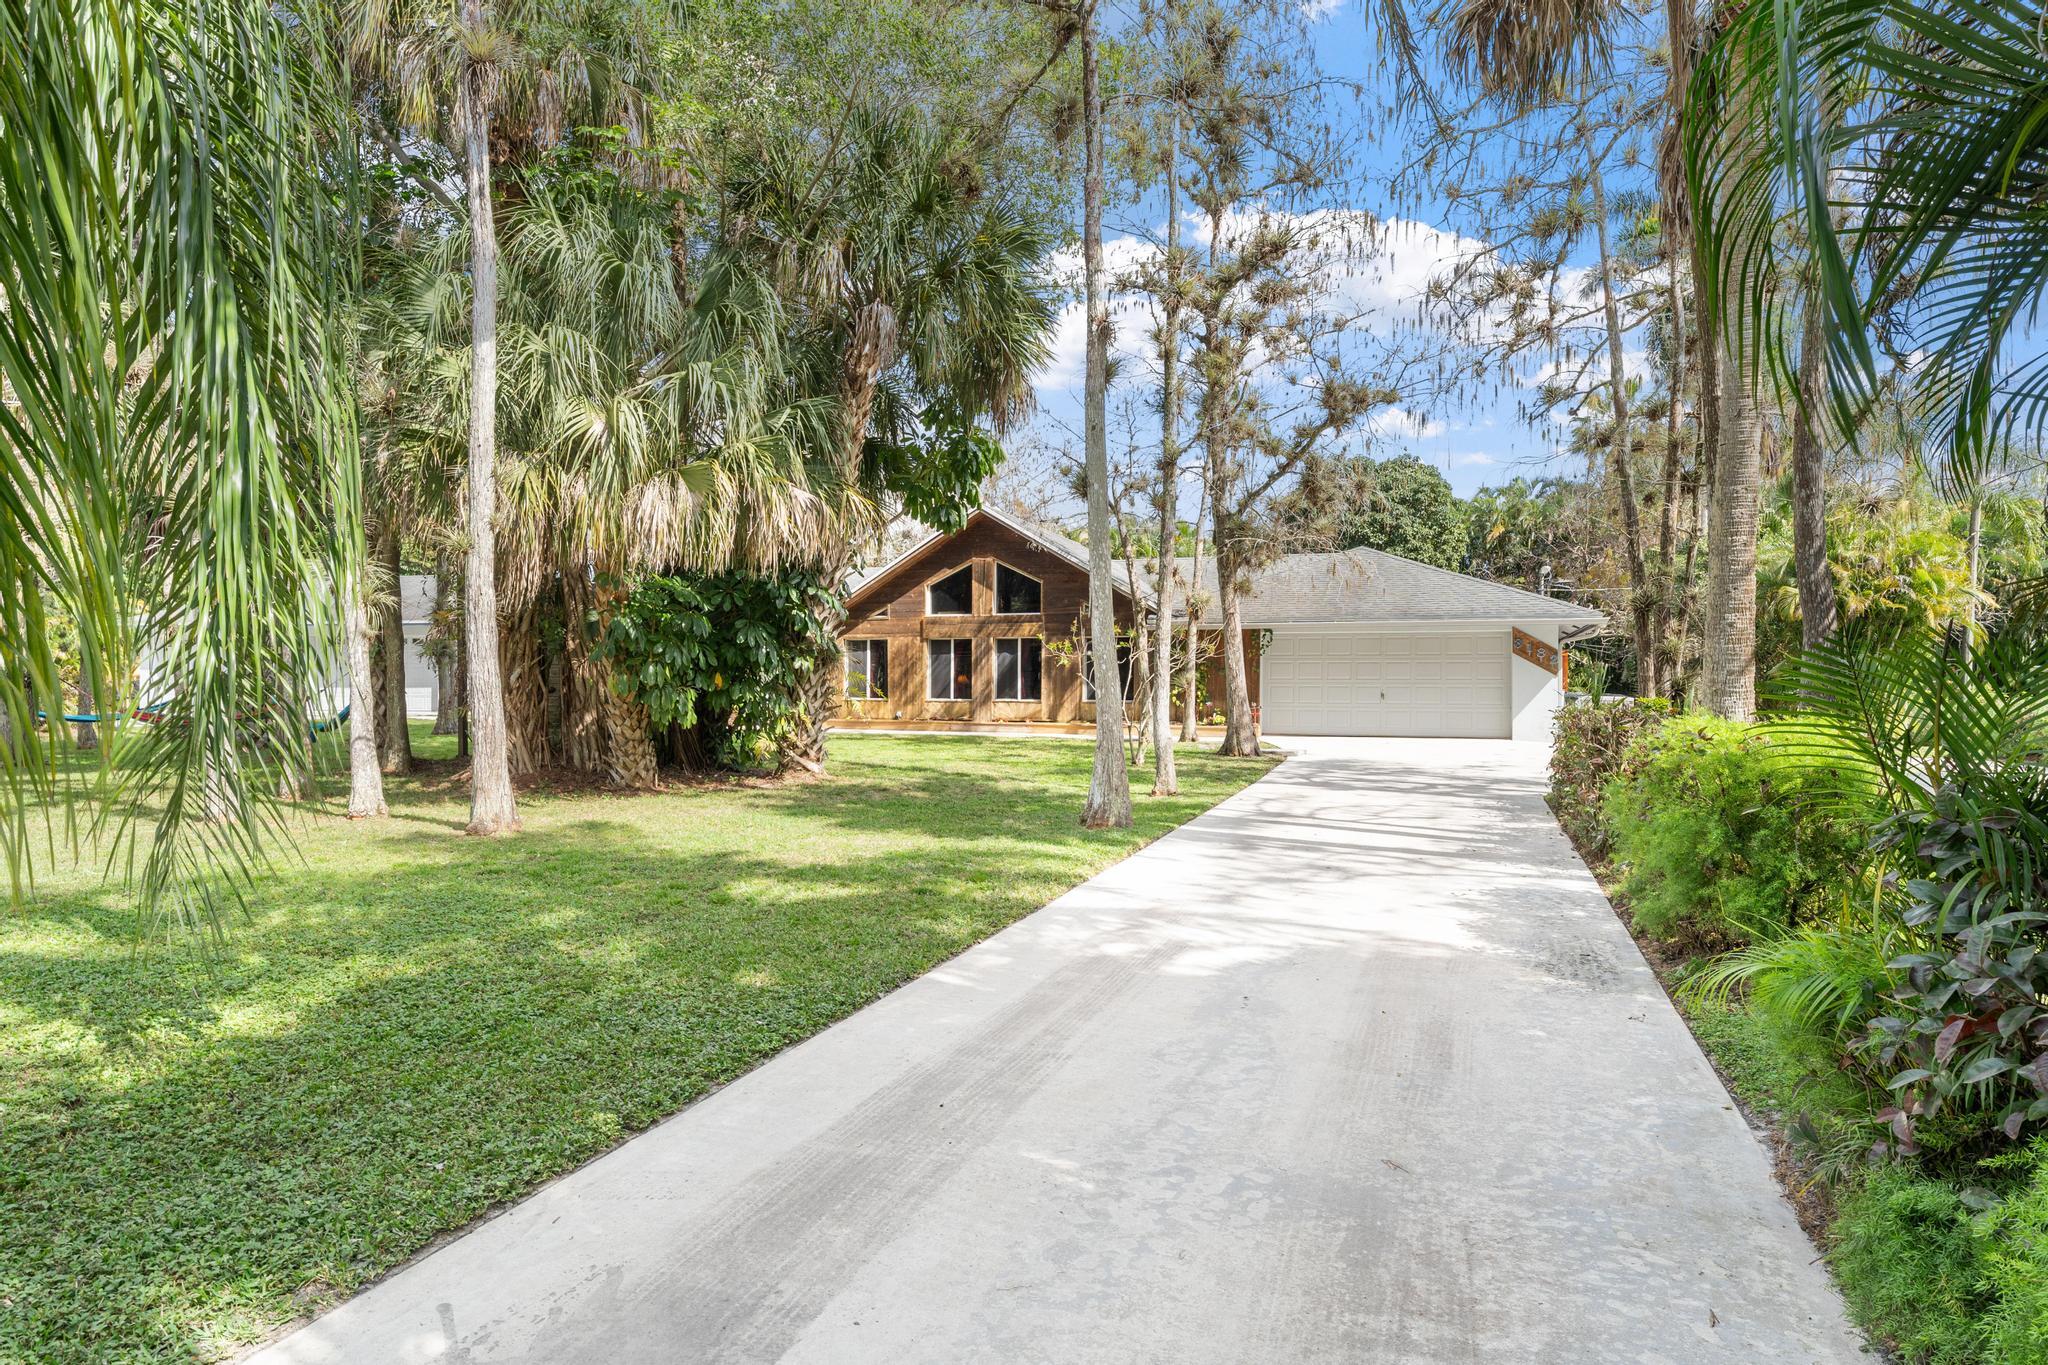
(1911, 142)
(177, 465)
(471, 75)
(915, 309)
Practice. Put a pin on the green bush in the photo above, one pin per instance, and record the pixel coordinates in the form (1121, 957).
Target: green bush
(1593, 740)
(1716, 837)
(1907, 1260)
(2013, 1244)
(1950, 1273)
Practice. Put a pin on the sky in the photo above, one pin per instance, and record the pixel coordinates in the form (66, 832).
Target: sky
(1475, 439)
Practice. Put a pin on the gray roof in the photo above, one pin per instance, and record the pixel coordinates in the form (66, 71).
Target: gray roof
(1371, 586)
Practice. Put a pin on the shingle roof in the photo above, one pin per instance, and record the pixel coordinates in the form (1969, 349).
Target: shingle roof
(1370, 586)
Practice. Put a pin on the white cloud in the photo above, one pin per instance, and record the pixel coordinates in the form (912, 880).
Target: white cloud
(1315, 11)
(1399, 423)
(1472, 459)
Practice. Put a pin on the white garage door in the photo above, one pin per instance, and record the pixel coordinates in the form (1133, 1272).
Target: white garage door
(1359, 684)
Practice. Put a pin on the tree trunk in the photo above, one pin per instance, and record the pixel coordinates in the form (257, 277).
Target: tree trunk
(492, 806)
(366, 777)
(1975, 545)
(1640, 600)
(394, 738)
(1241, 732)
(1190, 684)
(447, 676)
(85, 734)
(585, 679)
(1729, 681)
(526, 695)
(632, 762)
(1109, 789)
(1165, 779)
(1667, 521)
(1817, 607)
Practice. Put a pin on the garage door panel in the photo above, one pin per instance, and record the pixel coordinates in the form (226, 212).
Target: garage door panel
(1365, 684)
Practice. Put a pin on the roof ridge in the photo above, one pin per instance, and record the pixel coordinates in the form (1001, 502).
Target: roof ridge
(1460, 573)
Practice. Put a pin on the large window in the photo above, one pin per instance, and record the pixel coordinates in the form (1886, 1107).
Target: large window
(952, 595)
(1020, 670)
(1123, 667)
(1017, 594)
(867, 669)
(952, 670)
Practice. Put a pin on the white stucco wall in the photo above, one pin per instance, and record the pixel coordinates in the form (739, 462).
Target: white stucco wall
(1534, 694)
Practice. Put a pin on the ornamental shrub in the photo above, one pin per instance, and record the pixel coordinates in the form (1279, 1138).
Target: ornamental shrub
(1592, 741)
(1909, 1266)
(719, 660)
(1717, 838)
(2013, 1246)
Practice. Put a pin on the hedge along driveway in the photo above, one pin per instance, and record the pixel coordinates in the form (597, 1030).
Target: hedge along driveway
(413, 1026)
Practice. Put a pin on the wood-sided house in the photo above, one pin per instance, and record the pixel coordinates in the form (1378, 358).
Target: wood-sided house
(982, 630)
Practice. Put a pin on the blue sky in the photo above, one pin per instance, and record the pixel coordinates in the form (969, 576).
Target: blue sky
(1477, 438)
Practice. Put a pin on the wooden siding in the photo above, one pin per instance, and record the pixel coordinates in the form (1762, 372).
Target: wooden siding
(892, 608)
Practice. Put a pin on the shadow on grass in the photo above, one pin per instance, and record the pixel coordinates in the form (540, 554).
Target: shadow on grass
(414, 1026)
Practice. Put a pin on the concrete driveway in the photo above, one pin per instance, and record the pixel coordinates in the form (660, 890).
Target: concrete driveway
(1359, 1066)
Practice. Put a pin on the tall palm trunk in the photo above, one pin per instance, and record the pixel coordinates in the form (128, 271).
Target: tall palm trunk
(394, 737)
(1729, 684)
(1165, 780)
(1817, 607)
(1622, 451)
(85, 734)
(492, 807)
(1109, 789)
(366, 777)
(1240, 734)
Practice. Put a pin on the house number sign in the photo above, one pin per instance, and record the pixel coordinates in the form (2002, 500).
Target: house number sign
(1527, 646)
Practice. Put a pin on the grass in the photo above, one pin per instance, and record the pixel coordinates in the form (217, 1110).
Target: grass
(411, 1026)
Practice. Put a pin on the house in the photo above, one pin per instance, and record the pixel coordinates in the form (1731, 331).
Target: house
(981, 631)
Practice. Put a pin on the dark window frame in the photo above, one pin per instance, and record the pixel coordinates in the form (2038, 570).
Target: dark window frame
(1035, 651)
(965, 570)
(1037, 587)
(877, 681)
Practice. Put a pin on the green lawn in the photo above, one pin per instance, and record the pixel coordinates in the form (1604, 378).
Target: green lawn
(413, 1026)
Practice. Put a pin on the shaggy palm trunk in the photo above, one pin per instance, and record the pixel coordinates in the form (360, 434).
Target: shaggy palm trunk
(1165, 778)
(584, 679)
(394, 738)
(630, 757)
(492, 806)
(1622, 452)
(1817, 607)
(366, 777)
(526, 695)
(1109, 789)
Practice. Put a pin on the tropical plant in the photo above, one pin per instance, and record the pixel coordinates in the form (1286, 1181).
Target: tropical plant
(1715, 839)
(176, 442)
(1911, 142)
(1593, 743)
(725, 655)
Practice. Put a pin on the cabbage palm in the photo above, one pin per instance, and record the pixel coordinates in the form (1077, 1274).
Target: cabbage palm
(916, 306)
(176, 450)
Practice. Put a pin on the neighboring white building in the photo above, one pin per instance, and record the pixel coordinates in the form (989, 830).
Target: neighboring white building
(416, 592)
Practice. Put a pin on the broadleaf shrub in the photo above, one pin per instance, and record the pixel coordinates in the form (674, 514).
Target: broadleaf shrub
(720, 658)
(1717, 839)
(1593, 740)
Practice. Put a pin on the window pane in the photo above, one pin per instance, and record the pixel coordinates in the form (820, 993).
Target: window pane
(1032, 670)
(1006, 670)
(952, 595)
(856, 668)
(1016, 593)
(941, 661)
(963, 670)
(878, 669)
